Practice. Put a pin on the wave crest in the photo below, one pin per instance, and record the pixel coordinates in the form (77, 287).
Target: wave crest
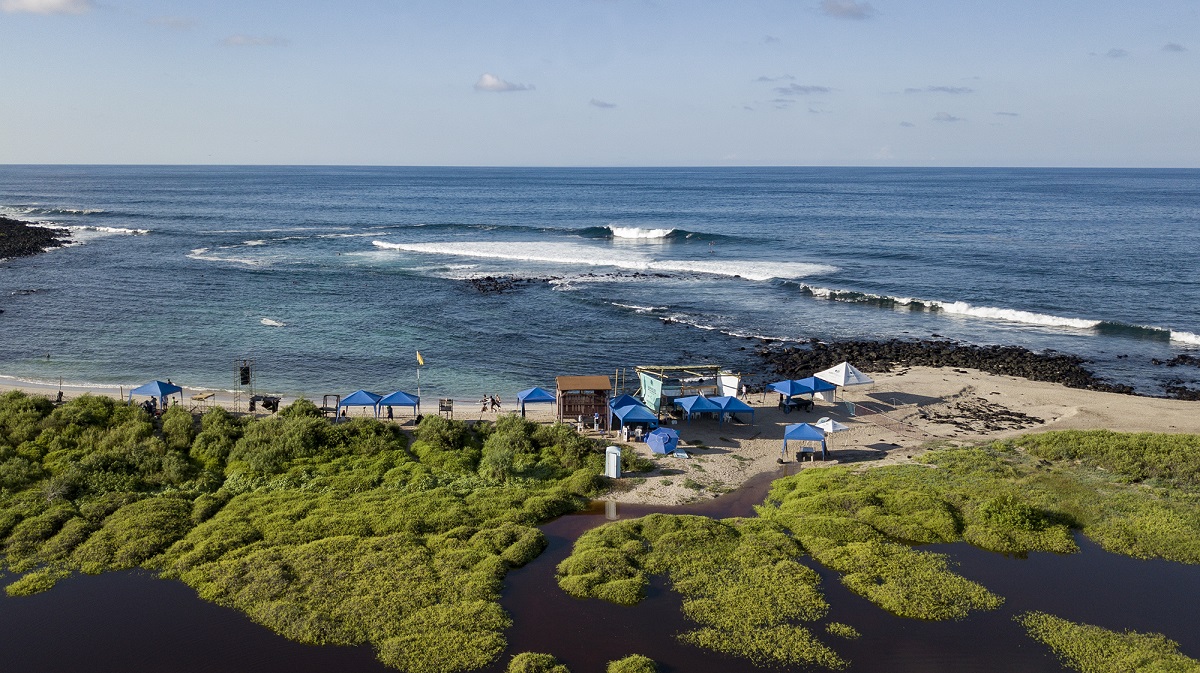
(567, 254)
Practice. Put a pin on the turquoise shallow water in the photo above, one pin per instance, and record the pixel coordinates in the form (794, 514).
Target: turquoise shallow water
(332, 277)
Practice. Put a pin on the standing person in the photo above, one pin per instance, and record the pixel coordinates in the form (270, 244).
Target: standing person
(389, 412)
(483, 403)
(596, 421)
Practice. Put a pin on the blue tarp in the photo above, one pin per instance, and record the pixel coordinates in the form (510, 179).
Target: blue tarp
(156, 389)
(361, 398)
(635, 413)
(662, 440)
(401, 399)
(732, 405)
(532, 395)
(804, 432)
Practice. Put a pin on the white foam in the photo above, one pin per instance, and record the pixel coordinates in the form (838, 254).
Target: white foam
(254, 242)
(202, 255)
(1013, 315)
(640, 309)
(639, 233)
(1188, 338)
(272, 323)
(569, 254)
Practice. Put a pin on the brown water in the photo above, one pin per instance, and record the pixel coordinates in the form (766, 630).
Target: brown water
(131, 622)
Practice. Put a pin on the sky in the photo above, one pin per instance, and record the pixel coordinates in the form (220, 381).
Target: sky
(1089, 83)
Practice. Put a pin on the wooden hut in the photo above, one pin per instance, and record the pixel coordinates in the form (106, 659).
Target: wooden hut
(584, 396)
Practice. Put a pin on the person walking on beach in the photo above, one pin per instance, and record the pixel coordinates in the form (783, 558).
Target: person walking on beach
(495, 403)
(483, 403)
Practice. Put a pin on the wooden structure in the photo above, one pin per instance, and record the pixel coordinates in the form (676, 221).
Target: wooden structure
(583, 396)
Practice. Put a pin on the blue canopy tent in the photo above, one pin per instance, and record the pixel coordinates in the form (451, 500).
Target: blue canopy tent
(817, 385)
(789, 390)
(662, 440)
(732, 405)
(534, 395)
(635, 413)
(697, 404)
(401, 399)
(361, 398)
(624, 401)
(158, 390)
(804, 432)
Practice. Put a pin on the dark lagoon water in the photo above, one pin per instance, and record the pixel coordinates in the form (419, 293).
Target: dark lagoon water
(134, 623)
(332, 277)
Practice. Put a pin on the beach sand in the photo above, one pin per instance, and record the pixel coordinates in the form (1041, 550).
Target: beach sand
(896, 419)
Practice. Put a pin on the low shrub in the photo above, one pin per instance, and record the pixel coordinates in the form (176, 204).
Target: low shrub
(634, 663)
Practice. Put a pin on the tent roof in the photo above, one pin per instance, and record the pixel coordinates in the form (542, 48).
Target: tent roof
(623, 401)
(844, 374)
(360, 398)
(803, 432)
(400, 399)
(696, 404)
(635, 413)
(731, 404)
(536, 394)
(790, 388)
(583, 383)
(156, 389)
(818, 385)
(829, 425)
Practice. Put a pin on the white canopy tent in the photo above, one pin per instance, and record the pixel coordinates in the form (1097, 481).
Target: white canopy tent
(844, 375)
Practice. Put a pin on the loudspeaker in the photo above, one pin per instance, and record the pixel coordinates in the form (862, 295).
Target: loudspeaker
(244, 374)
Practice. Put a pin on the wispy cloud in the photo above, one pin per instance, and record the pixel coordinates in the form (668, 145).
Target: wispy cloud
(46, 6)
(603, 105)
(946, 117)
(847, 9)
(1174, 46)
(1116, 52)
(781, 78)
(801, 89)
(907, 125)
(173, 22)
(770, 39)
(254, 41)
(942, 89)
(1008, 114)
(489, 82)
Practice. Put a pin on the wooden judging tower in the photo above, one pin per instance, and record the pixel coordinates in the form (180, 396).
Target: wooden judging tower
(583, 396)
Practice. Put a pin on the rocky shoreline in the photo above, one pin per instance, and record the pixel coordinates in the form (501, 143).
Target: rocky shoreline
(21, 239)
(885, 356)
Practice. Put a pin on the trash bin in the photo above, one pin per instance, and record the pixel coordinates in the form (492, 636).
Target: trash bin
(612, 462)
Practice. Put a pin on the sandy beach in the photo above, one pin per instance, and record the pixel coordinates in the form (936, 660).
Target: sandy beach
(893, 420)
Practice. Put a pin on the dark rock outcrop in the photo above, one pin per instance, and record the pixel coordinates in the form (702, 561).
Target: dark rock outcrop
(21, 239)
(883, 356)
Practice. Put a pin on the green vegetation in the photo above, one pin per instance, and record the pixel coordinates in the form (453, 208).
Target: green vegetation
(325, 533)
(1091, 649)
(535, 662)
(842, 630)
(740, 579)
(634, 663)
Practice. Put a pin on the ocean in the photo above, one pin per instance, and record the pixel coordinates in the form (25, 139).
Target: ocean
(332, 278)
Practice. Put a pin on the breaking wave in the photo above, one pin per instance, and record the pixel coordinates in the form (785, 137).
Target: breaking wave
(272, 323)
(566, 254)
(1104, 327)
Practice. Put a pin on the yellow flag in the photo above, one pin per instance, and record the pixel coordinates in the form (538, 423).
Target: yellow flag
(420, 360)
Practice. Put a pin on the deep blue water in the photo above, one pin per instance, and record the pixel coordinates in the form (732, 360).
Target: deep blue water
(364, 266)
